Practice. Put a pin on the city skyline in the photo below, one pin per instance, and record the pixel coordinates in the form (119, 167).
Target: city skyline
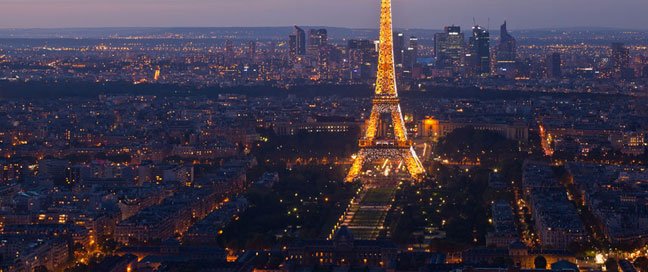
(408, 13)
(310, 148)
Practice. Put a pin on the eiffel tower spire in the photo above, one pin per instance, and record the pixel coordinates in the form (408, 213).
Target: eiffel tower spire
(386, 78)
(386, 101)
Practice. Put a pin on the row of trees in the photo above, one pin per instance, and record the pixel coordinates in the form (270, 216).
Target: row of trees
(305, 203)
(307, 145)
(455, 200)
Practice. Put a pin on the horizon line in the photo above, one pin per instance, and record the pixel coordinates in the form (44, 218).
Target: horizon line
(309, 26)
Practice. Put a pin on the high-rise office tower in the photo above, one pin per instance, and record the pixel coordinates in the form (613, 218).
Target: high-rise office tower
(449, 48)
(317, 39)
(229, 52)
(506, 50)
(399, 51)
(363, 59)
(318, 50)
(411, 55)
(554, 66)
(620, 60)
(300, 41)
(506, 53)
(480, 51)
(292, 44)
(252, 51)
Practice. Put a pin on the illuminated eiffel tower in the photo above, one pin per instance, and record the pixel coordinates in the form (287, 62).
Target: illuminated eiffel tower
(385, 102)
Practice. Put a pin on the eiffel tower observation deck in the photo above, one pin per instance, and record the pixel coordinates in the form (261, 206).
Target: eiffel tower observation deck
(397, 147)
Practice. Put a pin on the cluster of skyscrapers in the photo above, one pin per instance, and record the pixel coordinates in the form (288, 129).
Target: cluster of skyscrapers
(316, 46)
(313, 51)
(454, 55)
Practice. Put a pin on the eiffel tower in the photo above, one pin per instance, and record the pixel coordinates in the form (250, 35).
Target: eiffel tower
(386, 102)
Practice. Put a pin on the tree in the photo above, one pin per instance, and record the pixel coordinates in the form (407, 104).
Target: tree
(119, 158)
(78, 158)
(540, 262)
(612, 265)
(77, 268)
(471, 145)
(642, 264)
(41, 268)
(108, 245)
(78, 249)
(503, 262)
(582, 249)
(444, 245)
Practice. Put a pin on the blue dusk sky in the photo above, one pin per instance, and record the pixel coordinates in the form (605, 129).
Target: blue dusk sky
(428, 14)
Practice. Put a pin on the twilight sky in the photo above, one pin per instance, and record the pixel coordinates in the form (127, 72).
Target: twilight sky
(430, 14)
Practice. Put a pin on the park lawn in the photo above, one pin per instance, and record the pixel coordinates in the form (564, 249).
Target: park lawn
(368, 218)
(379, 196)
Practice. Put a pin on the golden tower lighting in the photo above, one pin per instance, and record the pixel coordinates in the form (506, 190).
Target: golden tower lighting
(386, 101)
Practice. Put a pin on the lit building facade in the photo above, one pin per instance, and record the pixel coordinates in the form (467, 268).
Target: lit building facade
(449, 48)
(342, 250)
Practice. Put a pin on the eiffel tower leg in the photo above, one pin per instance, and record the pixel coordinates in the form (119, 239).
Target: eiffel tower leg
(399, 125)
(356, 167)
(413, 163)
(372, 128)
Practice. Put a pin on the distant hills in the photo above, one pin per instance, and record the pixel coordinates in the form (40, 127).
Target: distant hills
(261, 33)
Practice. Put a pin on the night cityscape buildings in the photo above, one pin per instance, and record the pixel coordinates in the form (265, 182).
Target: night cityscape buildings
(506, 53)
(317, 39)
(297, 43)
(621, 60)
(479, 52)
(324, 149)
(449, 47)
(554, 65)
(399, 50)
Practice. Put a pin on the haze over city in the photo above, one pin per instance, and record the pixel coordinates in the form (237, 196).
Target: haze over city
(426, 14)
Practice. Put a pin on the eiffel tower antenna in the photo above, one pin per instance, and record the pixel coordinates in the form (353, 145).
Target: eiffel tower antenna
(386, 101)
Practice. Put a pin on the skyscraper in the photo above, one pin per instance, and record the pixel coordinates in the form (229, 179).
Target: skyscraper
(362, 58)
(292, 43)
(229, 52)
(317, 39)
(506, 50)
(252, 51)
(300, 41)
(481, 41)
(411, 55)
(449, 48)
(621, 61)
(399, 50)
(506, 53)
(318, 51)
(480, 51)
